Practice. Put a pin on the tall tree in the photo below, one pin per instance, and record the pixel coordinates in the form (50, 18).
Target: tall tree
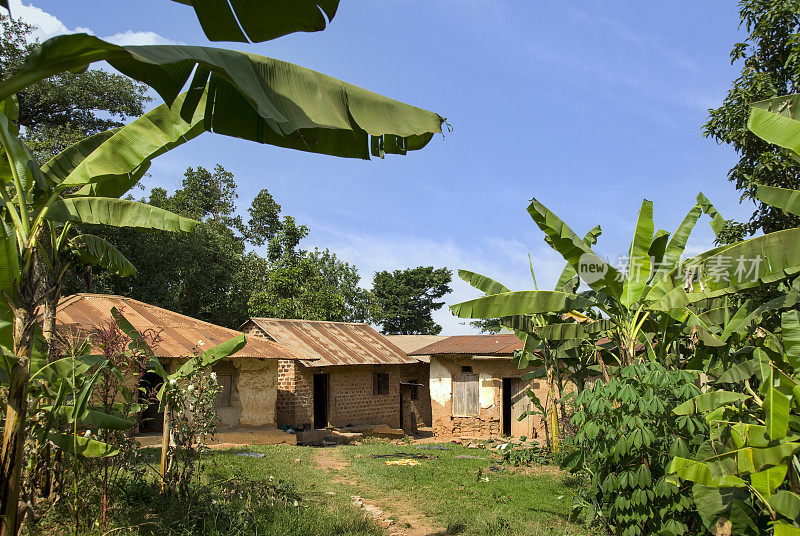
(208, 274)
(65, 108)
(769, 67)
(404, 300)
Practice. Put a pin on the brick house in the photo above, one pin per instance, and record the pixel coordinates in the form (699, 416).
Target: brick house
(476, 389)
(358, 377)
(249, 378)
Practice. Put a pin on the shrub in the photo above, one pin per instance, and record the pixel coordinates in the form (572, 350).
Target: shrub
(628, 435)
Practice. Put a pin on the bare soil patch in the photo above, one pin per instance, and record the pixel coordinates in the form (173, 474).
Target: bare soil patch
(402, 518)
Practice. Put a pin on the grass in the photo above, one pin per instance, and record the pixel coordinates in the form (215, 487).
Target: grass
(468, 498)
(461, 495)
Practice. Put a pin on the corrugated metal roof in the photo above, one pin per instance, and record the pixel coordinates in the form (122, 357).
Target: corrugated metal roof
(502, 344)
(333, 343)
(411, 343)
(179, 334)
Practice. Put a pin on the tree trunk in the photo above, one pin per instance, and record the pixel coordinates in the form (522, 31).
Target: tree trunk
(11, 454)
(165, 440)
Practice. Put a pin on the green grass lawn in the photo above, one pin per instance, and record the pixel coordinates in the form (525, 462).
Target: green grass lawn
(466, 497)
(454, 492)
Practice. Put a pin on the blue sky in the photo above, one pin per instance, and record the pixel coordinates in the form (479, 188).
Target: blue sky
(589, 106)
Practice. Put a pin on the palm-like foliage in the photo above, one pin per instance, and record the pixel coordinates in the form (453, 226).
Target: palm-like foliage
(232, 93)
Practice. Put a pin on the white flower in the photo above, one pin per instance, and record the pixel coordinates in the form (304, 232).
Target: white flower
(213, 376)
(173, 382)
(200, 342)
(87, 433)
(190, 388)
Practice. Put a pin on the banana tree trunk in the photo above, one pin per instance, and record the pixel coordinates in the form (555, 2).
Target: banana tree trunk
(11, 454)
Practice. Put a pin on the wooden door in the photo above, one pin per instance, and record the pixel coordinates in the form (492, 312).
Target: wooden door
(520, 403)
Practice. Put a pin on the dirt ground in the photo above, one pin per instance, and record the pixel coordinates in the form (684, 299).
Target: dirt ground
(401, 518)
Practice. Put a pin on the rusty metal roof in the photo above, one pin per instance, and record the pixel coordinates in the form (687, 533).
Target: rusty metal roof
(333, 343)
(179, 334)
(502, 344)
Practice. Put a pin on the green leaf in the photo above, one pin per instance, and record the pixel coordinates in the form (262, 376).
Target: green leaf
(261, 20)
(639, 263)
(569, 272)
(573, 330)
(790, 335)
(717, 221)
(482, 283)
(525, 302)
(786, 503)
(773, 121)
(118, 213)
(9, 279)
(124, 156)
(138, 343)
(95, 419)
(776, 407)
(744, 265)
(767, 481)
(97, 251)
(212, 356)
(708, 402)
(62, 164)
(250, 97)
(86, 448)
(677, 243)
(785, 199)
(574, 250)
(784, 529)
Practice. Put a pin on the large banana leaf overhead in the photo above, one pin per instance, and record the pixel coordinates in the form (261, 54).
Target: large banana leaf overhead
(249, 96)
(260, 20)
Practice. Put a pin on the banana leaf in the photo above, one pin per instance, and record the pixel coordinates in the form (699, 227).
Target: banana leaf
(574, 250)
(251, 97)
(260, 20)
(86, 447)
(783, 198)
(482, 283)
(639, 262)
(96, 251)
(524, 302)
(775, 121)
(569, 272)
(117, 213)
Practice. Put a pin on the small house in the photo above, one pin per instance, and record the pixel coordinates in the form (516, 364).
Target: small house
(249, 378)
(358, 377)
(476, 389)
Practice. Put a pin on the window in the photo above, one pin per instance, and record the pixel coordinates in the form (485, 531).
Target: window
(466, 402)
(223, 399)
(465, 369)
(414, 389)
(380, 384)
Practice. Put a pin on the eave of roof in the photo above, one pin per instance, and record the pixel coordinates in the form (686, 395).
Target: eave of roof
(179, 335)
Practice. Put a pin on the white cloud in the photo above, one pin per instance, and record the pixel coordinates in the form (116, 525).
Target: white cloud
(48, 25)
(499, 258)
(130, 37)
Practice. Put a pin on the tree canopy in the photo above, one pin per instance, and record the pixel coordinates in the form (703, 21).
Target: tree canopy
(769, 67)
(65, 108)
(406, 299)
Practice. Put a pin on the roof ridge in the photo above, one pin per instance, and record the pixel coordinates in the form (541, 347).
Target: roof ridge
(267, 318)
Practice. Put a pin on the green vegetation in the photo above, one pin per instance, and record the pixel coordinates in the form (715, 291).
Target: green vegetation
(472, 496)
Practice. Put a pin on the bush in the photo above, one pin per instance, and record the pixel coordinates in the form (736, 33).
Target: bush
(517, 456)
(628, 435)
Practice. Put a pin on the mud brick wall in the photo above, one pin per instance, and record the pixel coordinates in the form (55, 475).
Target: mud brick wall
(488, 423)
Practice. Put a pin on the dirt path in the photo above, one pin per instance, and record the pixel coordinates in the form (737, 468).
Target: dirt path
(402, 518)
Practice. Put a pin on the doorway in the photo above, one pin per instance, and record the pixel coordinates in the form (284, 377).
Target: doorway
(152, 419)
(507, 382)
(515, 404)
(320, 400)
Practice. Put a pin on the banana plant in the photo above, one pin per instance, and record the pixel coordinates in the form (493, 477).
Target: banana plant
(626, 309)
(748, 473)
(172, 381)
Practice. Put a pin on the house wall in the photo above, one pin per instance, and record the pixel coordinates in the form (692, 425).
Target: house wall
(254, 391)
(351, 401)
(490, 373)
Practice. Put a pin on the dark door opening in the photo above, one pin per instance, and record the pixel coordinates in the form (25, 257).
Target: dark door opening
(320, 400)
(402, 415)
(507, 386)
(152, 419)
